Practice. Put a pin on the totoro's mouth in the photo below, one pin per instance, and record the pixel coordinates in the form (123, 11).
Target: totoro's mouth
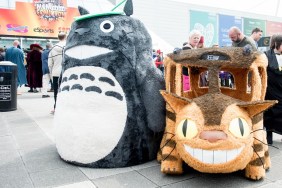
(86, 51)
(213, 156)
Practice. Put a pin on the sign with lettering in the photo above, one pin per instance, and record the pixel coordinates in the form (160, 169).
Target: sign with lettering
(5, 92)
(39, 18)
(225, 23)
(250, 24)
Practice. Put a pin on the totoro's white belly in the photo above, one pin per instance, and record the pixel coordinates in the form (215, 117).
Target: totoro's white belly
(90, 116)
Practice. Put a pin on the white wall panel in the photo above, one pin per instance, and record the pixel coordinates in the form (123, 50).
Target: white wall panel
(169, 20)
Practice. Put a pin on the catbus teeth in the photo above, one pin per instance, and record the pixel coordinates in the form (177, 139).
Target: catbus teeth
(213, 156)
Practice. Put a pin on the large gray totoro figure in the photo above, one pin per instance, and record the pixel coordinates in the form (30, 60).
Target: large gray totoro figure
(109, 110)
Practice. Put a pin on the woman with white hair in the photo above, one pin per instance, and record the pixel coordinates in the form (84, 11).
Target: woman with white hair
(194, 38)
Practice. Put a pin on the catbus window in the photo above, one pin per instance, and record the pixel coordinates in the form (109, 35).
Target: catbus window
(185, 79)
(226, 79)
(249, 81)
(204, 79)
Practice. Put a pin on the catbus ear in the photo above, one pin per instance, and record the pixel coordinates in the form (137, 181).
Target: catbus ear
(256, 107)
(174, 101)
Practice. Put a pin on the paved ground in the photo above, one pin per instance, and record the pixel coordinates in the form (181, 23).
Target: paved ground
(28, 158)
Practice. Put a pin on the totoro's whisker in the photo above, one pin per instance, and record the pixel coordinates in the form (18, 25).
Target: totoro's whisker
(126, 58)
(131, 32)
(126, 33)
(262, 163)
(124, 36)
(265, 143)
(123, 46)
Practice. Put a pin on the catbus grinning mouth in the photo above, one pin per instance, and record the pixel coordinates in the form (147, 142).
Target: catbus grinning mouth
(213, 156)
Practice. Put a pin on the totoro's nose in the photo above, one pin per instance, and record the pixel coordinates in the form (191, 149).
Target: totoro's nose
(81, 31)
(213, 136)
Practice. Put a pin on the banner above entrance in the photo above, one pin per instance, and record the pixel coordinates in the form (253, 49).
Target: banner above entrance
(41, 18)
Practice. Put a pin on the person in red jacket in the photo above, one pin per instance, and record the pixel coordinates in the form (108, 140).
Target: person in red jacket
(159, 60)
(34, 67)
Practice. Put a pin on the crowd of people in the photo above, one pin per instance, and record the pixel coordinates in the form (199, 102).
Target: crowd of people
(39, 68)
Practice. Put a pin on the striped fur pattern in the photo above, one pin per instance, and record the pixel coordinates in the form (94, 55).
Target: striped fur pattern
(171, 163)
(214, 112)
(239, 130)
(260, 161)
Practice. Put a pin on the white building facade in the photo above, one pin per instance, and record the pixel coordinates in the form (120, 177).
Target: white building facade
(168, 21)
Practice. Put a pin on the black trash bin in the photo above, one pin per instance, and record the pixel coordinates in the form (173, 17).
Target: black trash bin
(8, 86)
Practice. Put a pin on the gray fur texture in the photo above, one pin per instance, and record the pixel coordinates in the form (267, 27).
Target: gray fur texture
(131, 64)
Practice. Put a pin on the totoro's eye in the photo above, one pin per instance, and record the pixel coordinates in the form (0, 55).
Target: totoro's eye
(107, 26)
(187, 129)
(239, 128)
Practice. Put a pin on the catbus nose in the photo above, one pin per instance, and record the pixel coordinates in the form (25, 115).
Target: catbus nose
(213, 136)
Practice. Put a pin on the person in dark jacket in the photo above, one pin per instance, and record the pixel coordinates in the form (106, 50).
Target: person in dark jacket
(16, 56)
(239, 39)
(273, 116)
(45, 70)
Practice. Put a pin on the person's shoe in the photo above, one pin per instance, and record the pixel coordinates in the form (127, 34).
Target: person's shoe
(269, 137)
(35, 91)
(52, 112)
(30, 91)
(51, 90)
(45, 96)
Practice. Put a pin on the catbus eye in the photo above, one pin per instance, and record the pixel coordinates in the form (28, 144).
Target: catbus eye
(187, 129)
(107, 26)
(239, 128)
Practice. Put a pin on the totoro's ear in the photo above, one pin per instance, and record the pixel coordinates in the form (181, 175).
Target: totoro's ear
(256, 107)
(174, 101)
(128, 8)
(82, 10)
